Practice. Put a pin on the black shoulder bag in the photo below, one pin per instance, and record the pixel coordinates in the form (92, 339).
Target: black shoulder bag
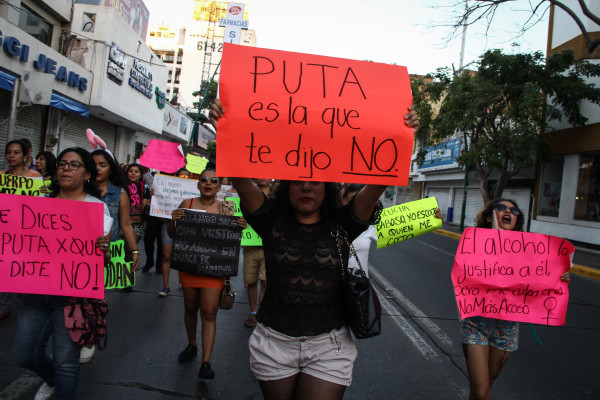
(361, 304)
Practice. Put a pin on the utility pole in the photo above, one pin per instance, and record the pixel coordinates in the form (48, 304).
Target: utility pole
(467, 167)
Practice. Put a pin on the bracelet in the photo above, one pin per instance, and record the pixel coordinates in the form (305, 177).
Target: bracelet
(135, 252)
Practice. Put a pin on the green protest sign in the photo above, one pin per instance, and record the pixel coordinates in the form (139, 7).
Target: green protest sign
(195, 164)
(12, 184)
(249, 235)
(118, 274)
(405, 221)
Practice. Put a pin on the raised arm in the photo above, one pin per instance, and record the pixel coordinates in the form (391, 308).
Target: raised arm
(366, 199)
(250, 195)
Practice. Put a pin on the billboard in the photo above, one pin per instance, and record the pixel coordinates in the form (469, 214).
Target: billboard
(442, 156)
(212, 11)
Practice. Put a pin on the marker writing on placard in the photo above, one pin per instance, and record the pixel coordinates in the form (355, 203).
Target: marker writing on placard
(382, 157)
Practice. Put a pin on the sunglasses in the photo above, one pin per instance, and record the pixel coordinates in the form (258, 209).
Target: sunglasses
(504, 207)
(213, 179)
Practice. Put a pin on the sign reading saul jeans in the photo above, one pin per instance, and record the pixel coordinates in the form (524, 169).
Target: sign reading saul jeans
(206, 244)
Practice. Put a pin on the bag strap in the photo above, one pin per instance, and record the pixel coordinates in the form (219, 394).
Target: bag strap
(340, 233)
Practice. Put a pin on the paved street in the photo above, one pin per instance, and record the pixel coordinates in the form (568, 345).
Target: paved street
(418, 356)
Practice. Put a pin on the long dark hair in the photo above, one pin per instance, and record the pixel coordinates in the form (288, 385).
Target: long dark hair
(50, 163)
(329, 208)
(116, 176)
(90, 186)
(486, 212)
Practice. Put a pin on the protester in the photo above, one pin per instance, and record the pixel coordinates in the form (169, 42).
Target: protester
(29, 160)
(16, 152)
(46, 165)
(139, 200)
(488, 342)
(110, 181)
(16, 157)
(167, 247)
(43, 315)
(152, 232)
(202, 292)
(254, 267)
(301, 347)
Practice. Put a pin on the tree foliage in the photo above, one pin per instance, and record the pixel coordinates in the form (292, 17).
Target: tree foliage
(502, 109)
(469, 12)
(209, 97)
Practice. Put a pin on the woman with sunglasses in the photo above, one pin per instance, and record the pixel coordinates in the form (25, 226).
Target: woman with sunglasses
(43, 315)
(488, 342)
(202, 292)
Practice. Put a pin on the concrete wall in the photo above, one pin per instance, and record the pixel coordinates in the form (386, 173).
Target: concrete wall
(565, 28)
(127, 105)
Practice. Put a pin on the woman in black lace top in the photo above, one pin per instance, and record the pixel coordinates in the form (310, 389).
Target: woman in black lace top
(301, 347)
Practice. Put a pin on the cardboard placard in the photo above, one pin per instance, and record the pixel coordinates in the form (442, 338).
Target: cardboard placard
(206, 244)
(48, 246)
(195, 164)
(163, 156)
(169, 192)
(11, 184)
(118, 273)
(306, 117)
(249, 235)
(405, 221)
(513, 276)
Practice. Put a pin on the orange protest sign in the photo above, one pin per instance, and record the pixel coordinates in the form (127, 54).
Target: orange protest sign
(306, 117)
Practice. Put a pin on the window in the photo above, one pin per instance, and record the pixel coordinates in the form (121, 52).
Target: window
(35, 25)
(587, 201)
(152, 34)
(550, 185)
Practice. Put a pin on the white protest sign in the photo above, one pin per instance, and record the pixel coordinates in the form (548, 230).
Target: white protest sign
(169, 192)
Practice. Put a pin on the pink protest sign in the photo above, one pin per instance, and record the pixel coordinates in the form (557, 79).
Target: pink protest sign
(513, 276)
(163, 156)
(48, 246)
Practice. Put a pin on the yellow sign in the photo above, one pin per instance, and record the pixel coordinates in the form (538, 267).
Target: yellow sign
(212, 11)
(195, 164)
(405, 221)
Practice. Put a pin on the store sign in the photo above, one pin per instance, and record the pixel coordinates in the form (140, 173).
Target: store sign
(443, 156)
(13, 48)
(117, 62)
(234, 22)
(141, 78)
(161, 99)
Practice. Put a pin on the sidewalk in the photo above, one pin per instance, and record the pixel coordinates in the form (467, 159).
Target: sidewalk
(586, 262)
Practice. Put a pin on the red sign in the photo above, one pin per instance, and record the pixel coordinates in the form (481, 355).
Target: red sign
(306, 117)
(235, 10)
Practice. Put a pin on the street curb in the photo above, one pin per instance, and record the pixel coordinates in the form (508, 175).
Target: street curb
(577, 269)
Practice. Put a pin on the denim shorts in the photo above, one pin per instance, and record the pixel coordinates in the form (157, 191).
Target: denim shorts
(329, 356)
(164, 235)
(503, 335)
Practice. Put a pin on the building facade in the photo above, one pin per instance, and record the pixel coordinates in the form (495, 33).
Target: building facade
(78, 64)
(568, 188)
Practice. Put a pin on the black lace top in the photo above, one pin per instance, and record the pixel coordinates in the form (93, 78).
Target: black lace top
(303, 295)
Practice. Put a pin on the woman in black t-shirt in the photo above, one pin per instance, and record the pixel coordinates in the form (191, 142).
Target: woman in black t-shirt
(301, 347)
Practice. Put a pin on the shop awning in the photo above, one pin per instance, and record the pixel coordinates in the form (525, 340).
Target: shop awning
(69, 105)
(7, 81)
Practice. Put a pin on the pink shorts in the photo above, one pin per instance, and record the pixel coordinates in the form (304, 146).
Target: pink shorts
(329, 356)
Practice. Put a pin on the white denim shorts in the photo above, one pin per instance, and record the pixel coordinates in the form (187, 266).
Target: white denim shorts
(329, 356)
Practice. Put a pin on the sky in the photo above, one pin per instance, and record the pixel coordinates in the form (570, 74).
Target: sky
(389, 31)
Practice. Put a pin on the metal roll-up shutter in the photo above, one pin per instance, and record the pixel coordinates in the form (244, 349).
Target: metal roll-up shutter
(4, 114)
(473, 206)
(74, 132)
(442, 195)
(30, 125)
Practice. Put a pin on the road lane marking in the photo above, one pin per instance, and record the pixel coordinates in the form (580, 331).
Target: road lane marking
(20, 386)
(415, 337)
(411, 308)
(438, 249)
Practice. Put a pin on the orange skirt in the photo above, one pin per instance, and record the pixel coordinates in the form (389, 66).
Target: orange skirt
(199, 281)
